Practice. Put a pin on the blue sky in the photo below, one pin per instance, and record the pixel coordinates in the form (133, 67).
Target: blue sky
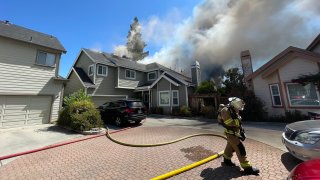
(96, 24)
(177, 32)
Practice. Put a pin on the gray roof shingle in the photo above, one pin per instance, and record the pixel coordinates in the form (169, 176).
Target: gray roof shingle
(30, 36)
(105, 58)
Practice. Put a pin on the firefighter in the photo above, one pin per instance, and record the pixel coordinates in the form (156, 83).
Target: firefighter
(231, 120)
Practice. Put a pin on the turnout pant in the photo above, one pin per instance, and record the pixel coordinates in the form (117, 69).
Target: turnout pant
(235, 145)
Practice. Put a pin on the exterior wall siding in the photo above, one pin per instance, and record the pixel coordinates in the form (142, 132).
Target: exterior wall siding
(21, 76)
(290, 71)
(106, 85)
(73, 85)
(286, 74)
(84, 62)
(131, 83)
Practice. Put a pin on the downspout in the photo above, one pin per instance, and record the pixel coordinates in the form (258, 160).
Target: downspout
(170, 100)
(186, 91)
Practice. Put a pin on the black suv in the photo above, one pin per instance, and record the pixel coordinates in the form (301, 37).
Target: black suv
(122, 112)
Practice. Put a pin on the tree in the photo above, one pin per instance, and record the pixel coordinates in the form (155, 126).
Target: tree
(135, 44)
(206, 87)
(234, 82)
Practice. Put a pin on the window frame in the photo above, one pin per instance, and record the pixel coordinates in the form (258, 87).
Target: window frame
(37, 57)
(273, 95)
(155, 75)
(99, 65)
(175, 97)
(125, 74)
(160, 98)
(301, 106)
(91, 67)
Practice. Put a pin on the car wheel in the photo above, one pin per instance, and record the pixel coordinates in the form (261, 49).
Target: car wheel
(137, 122)
(118, 121)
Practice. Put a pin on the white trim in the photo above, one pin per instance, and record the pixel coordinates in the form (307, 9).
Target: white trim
(179, 79)
(162, 76)
(92, 72)
(78, 77)
(125, 74)
(160, 98)
(122, 87)
(272, 95)
(177, 97)
(288, 96)
(152, 72)
(105, 75)
(78, 59)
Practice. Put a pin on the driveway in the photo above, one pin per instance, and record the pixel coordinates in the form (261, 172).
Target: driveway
(100, 158)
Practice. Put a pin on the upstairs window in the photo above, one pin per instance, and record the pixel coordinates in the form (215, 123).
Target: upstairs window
(46, 59)
(152, 76)
(130, 74)
(102, 70)
(90, 70)
(275, 93)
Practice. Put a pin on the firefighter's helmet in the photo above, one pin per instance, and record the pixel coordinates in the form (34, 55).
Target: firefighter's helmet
(237, 103)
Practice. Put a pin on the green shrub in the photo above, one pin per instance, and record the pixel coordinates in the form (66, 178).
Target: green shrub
(76, 96)
(208, 112)
(254, 108)
(156, 110)
(185, 111)
(79, 113)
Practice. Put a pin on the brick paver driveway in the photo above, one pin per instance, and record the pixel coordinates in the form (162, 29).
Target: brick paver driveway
(100, 158)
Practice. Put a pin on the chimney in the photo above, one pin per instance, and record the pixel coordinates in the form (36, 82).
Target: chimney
(195, 73)
(246, 67)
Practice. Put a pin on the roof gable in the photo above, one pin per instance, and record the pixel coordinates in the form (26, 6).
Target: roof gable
(281, 59)
(314, 43)
(19, 33)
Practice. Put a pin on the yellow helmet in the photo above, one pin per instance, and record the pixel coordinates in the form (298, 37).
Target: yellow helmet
(237, 103)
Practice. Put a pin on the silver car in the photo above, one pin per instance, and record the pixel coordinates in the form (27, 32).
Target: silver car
(302, 139)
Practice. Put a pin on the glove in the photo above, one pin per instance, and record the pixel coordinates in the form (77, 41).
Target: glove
(242, 135)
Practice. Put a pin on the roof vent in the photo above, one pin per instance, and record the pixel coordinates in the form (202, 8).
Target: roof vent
(30, 39)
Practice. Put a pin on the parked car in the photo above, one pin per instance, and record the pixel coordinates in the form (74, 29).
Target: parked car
(122, 112)
(302, 139)
(309, 170)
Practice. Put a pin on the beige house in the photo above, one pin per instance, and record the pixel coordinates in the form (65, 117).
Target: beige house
(31, 90)
(273, 84)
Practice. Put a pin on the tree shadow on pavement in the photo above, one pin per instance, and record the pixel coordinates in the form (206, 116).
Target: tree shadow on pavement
(289, 161)
(222, 172)
(57, 129)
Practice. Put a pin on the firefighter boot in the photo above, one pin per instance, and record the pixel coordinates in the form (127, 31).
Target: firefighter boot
(251, 171)
(228, 162)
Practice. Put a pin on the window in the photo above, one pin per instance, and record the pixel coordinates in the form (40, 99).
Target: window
(90, 70)
(47, 59)
(130, 74)
(152, 76)
(175, 98)
(164, 98)
(275, 93)
(299, 95)
(102, 70)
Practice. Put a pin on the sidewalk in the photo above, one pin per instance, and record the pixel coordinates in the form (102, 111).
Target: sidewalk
(20, 139)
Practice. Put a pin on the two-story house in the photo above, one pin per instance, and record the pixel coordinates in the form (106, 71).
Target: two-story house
(106, 77)
(31, 90)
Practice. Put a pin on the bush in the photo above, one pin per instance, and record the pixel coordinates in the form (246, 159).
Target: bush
(254, 108)
(79, 113)
(184, 111)
(208, 112)
(156, 110)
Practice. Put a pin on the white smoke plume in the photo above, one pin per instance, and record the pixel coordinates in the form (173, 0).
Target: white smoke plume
(219, 30)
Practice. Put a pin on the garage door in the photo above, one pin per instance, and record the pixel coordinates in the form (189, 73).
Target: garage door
(18, 111)
(99, 100)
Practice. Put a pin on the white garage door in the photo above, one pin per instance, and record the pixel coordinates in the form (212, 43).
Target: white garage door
(18, 111)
